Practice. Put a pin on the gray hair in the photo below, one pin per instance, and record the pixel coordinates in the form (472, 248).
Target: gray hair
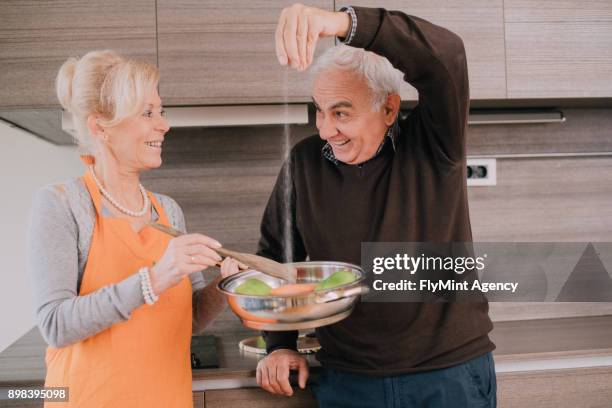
(382, 78)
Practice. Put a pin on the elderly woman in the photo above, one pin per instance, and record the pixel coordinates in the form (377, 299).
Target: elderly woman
(116, 300)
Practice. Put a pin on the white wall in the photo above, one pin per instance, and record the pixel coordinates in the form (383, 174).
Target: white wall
(26, 163)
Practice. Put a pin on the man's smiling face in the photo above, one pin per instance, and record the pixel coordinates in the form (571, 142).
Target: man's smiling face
(345, 115)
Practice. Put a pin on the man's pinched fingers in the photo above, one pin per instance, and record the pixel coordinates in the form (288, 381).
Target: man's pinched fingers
(302, 40)
(290, 38)
(311, 45)
(281, 53)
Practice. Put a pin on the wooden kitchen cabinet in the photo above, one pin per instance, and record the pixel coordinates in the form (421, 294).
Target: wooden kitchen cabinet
(36, 37)
(199, 399)
(223, 52)
(258, 398)
(558, 48)
(479, 23)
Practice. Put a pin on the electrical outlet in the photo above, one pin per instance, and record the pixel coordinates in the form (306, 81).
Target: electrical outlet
(481, 172)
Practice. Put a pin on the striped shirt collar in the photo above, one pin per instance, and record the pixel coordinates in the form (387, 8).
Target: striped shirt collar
(390, 137)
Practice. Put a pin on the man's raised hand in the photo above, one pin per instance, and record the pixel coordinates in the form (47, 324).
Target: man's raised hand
(300, 28)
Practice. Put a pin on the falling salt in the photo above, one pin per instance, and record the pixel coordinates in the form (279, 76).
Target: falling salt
(288, 185)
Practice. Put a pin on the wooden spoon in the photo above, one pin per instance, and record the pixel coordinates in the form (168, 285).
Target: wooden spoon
(259, 263)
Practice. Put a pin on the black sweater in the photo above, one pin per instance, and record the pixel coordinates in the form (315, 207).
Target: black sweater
(416, 192)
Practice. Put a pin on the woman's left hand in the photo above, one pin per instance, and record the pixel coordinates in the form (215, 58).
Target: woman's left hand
(230, 266)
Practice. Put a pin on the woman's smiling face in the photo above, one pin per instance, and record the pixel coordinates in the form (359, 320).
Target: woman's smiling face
(136, 142)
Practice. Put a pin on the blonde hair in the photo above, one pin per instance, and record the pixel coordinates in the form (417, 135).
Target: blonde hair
(105, 84)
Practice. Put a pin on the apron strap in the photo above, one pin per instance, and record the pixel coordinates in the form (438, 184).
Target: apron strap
(163, 218)
(94, 192)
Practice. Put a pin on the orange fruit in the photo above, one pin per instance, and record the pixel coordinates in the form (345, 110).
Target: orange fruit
(295, 289)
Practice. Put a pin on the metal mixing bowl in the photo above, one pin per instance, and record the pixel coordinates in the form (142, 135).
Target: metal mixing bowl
(315, 309)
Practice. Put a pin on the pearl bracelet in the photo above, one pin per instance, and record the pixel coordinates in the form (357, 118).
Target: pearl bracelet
(147, 289)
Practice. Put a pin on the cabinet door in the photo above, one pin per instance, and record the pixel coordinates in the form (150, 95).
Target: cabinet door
(478, 22)
(36, 37)
(220, 51)
(199, 399)
(559, 48)
(258, 398)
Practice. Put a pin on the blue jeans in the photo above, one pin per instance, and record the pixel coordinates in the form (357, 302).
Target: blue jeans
(468, 385)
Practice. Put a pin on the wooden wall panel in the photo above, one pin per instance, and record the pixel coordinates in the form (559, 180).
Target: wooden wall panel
(218, 52)
(557, 10)
(37, 37)
(478, 22)
(540, 200)
(569, 388)
(558, 49)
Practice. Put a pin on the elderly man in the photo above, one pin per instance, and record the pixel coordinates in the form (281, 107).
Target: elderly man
(370, 176)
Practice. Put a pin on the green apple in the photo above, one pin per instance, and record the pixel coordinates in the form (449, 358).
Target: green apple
(261, 343)
(339, 278)
(253, 287)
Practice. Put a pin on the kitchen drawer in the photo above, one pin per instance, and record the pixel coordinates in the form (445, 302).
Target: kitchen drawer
(258, 398)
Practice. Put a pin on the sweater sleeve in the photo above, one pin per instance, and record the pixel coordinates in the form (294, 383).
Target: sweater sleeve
(63, 316)
(276, 237)
(433, 60)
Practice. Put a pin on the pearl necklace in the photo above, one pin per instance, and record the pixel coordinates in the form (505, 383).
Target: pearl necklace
(106, 194)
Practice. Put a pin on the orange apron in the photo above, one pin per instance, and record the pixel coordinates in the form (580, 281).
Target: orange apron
(143, 361)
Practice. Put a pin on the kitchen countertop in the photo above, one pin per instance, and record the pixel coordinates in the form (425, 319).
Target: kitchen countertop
(22, 363)
(521, 346)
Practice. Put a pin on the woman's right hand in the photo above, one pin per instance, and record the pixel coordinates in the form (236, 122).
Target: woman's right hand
(184, 255)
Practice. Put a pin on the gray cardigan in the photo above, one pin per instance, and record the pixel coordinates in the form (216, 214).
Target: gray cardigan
(59, 237)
